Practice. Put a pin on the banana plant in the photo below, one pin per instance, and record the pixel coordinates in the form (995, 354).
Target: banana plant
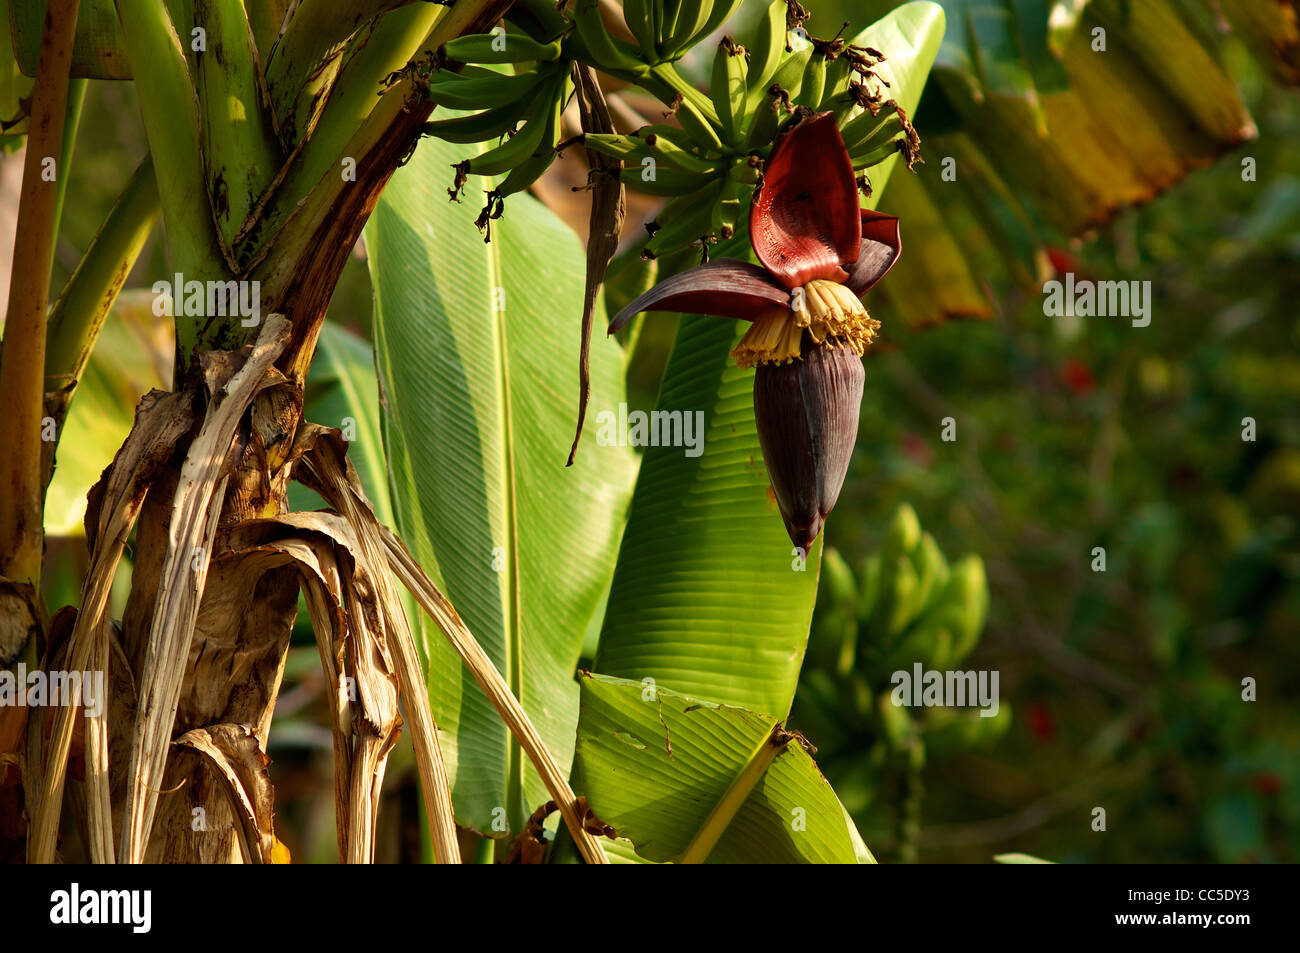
(270, 156)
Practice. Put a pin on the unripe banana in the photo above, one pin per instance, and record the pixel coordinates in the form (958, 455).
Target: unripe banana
(931, 570)
(500, 48)
(482, 126)
(609, 54)
(616, 146)
(766, 51)
(689, 220)
(789, 75)
(866, 131)
(523, 145)
(839, 73)
(726, 210)
(478, 88)
(814, 82)
(865, 160)
(868, 587)
(903, 602)
(967, 595)
(721, 12)
(531, 169)
(728, 88)
(652, 177)
(903, 534)
(691, 18)
(639, 16)
(673, 146)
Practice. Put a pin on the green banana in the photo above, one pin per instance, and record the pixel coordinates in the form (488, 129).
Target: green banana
(869, 587)
(814, 82)
(478, 88)
(501, 48)
(666, 182)
(875, 156)
(672, 11)
(481, 126)
(928, 569)
(722, 11)
(518, 148)
(689, 221)
(903, 602)
(609, 54)
(963, 606)
(789, 75)
(726, 209)
(766, 51)
(839, 73)
(639, 16)
(931, 563)
(903, 534)
(664, 140)
(728, 89)
(862, 132)
(761, 127)
(691, 17)
(531, 169)
(616, 146)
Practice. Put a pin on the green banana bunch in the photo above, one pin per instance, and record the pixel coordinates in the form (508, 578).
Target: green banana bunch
(716, 149)
(666, 29)
(919, 609)
(905, 605)
(529, 169)
(526, 153)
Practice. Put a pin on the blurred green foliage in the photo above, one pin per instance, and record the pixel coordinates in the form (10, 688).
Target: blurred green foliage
(1077, 433)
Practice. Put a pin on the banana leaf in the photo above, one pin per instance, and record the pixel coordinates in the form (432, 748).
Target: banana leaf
(655, 766)
(476, 346)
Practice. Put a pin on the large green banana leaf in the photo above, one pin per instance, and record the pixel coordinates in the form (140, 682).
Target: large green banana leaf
(476, 346)
(707, 598)
(655, 765)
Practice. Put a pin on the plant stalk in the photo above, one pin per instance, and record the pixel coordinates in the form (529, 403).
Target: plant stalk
(22, 363)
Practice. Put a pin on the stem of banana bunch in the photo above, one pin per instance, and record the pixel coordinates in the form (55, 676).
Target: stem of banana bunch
(909, 825)
(22, 363)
